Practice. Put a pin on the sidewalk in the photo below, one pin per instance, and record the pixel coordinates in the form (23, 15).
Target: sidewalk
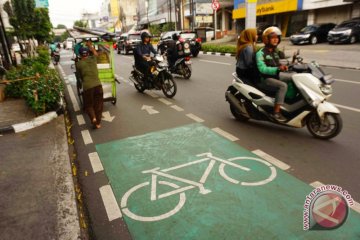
(37, 197)
(335, 55)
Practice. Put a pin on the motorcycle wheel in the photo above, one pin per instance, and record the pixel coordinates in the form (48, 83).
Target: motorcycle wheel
(195, 53)
(168, 85)
(186, 71)
(237, 114)
(326, 129)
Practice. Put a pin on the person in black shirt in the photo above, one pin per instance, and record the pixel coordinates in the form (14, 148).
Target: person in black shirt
(142, 55)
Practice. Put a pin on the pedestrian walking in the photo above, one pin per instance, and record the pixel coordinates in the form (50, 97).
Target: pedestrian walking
(93, 91)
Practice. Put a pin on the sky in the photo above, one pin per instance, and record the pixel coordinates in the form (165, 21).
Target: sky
(66, 12)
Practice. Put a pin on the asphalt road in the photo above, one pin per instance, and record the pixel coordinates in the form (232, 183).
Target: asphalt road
(336, 161)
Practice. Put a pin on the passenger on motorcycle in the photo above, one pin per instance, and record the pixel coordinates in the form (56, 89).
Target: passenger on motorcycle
(245, 56)
(142, 55)
(270, 68)
(175, 50)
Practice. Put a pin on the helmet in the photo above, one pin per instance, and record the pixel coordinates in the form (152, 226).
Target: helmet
(145, 35)
(175, 36)
(270, 31)
(84, 51)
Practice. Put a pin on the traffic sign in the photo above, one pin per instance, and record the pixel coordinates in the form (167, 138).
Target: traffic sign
(215, 5)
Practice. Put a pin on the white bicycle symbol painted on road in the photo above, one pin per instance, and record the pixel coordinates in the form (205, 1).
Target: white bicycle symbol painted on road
(190, 183)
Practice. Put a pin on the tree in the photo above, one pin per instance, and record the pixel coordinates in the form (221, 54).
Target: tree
(80, 23)
(28, 21)
(61, 26)
(42, 25)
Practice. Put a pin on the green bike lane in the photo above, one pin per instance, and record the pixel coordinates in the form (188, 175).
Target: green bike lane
(190, 183)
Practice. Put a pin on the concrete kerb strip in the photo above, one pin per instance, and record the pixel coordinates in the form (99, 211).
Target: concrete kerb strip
(233, 54)
(38, 121)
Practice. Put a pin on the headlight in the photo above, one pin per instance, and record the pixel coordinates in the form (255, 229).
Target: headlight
(326, 89)
(306, 36)
(347, 32)
(331, 32)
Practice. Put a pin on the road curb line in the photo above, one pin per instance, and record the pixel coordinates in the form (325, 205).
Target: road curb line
(36, 122)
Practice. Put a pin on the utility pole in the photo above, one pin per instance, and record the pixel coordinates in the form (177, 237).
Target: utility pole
(250, 14)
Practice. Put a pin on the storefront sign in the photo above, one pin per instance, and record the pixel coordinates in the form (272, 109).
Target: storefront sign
(271, 7)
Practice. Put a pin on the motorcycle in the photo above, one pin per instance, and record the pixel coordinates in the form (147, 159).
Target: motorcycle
(305, 103)
(182, 67)
(56, 56)
(159, 79)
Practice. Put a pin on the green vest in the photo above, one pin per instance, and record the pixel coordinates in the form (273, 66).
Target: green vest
(88, 72)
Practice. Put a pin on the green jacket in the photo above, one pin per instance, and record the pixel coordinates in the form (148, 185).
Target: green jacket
(88, 72)
(268, 62)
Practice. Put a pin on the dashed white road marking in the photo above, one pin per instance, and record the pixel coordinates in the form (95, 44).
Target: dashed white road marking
(73, 98)
(163, 100)
(195, 118)
(177, 108)
(225, 134)
(80, 119)
(347, 81)
(95, 162)
(271, 159)
(355, 207)
(316, 184)
(86, 137)
(152, 94)
(111, 206)
(347, 108)
(215, 62)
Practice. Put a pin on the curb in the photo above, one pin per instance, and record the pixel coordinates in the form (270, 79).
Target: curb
(233, 54)
(217, 54)
(38, 121)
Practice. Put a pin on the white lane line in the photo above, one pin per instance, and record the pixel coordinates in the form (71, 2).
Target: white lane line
(355, 206)
(80, 119)
(316, 184)
(347, 81)
(73, 98)
(215, 62)
(163, 100)
(225, 134)
(95, 162)
(195, 118)
(152, 94)
(271, 159)
(177, 108)
(347, 108)
(111, 206)
(86, 137)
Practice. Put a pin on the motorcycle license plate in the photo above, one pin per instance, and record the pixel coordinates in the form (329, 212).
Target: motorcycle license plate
(188, 62)
(187, 50)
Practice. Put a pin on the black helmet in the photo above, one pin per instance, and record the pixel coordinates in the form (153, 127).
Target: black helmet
(144, 35)
(84, 51)
(175, 36)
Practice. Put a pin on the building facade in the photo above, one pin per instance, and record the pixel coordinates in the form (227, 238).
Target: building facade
(292, 15)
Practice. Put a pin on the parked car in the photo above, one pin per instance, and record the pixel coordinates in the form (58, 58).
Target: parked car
(128, 42)
(190, 36)
(346, 32)
(312, 34)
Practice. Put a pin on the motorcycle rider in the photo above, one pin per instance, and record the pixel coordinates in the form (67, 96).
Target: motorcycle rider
(174, 50)
(245, 56)
(142, 55)
(270, 68)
